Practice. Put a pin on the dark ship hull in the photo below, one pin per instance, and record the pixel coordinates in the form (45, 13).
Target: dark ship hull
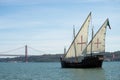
(88, 62)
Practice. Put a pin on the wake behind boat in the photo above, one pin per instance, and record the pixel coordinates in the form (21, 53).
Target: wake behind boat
(81, 47)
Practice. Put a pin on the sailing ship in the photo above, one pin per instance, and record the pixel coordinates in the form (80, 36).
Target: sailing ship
(90, 52)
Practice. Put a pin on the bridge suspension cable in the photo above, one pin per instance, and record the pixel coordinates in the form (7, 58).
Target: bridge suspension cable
(37, 50)
(12, 50)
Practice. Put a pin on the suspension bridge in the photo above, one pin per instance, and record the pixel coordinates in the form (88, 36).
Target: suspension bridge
(23, 53)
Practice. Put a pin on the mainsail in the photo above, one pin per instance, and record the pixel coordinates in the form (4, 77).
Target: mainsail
(97, 44)
(80, 41)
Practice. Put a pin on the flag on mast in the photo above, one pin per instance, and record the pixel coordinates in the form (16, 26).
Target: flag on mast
(108, 23)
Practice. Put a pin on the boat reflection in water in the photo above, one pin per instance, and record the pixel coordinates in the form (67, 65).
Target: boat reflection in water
(87, 74)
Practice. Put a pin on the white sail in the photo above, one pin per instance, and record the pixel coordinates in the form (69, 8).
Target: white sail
(97, 44)
(80, 41)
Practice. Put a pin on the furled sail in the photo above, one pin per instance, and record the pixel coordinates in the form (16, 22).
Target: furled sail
(97, 44)
(80, 41)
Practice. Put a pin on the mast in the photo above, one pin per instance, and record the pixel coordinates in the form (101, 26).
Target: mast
(76, 59)
(64, 50)
(92, 41)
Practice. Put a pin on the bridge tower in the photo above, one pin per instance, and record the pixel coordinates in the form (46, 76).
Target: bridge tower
(26, 54)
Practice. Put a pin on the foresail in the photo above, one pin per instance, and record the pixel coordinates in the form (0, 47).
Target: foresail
(80, 41)
(98, 41)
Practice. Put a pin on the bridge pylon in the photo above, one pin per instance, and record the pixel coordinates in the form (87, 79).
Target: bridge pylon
(26, 53)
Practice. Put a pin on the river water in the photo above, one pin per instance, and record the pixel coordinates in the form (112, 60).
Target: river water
(53, 71)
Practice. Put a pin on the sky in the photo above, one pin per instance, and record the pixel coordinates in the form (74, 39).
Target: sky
(46, 25)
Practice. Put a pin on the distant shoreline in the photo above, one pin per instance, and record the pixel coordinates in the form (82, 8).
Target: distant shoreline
(114, 56)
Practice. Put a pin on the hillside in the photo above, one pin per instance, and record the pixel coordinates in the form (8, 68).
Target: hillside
(114, 56)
